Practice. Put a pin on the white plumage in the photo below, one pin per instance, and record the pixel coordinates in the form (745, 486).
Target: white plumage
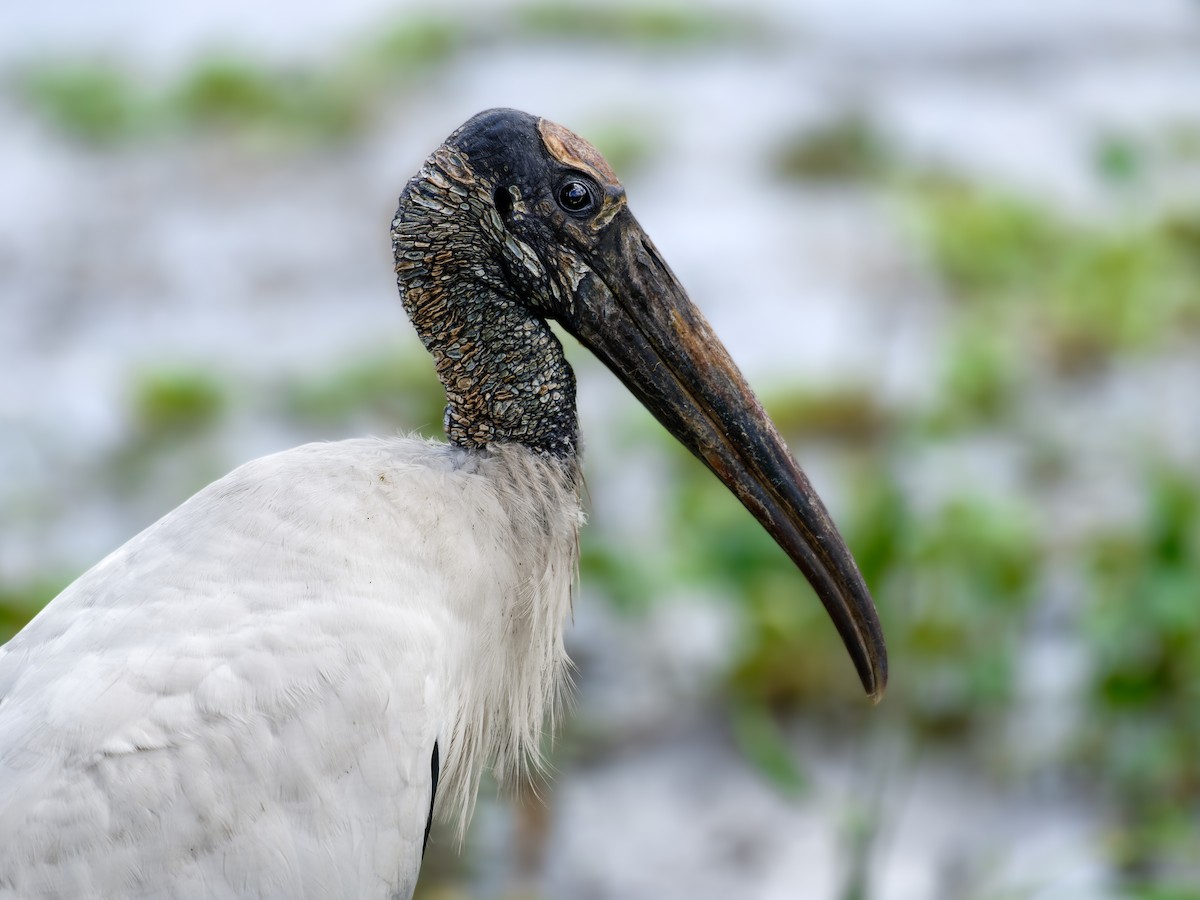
(243, 700)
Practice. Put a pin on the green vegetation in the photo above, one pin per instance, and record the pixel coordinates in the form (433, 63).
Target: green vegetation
(230, 93)
(21, 602)
(1126, 160)
(102, 104)
(175, 418)
(385, 387)
(961, 579)
(846, 148)
(841, 411)
(958, 580)
(176, 402)
(757, 733)
(1143, 626)
(661, 25)
(982, 374)
(377, 388)
(1119, 160)
(1055, 293)
(629, 579)
(1166, 893)
(105, 103)
(415, 44)
(96, 102)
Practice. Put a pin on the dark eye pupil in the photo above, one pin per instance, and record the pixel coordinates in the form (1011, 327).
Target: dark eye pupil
(574, 196)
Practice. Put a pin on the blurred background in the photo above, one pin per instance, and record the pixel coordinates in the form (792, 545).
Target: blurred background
(955, 245)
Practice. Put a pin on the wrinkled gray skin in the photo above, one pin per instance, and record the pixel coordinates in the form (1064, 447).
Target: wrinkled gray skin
(472, 292)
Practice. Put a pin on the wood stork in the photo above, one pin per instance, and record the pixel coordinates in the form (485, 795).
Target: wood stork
(269, 692)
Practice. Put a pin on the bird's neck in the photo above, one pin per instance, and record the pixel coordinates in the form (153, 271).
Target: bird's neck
(506, 378)
(504, 371)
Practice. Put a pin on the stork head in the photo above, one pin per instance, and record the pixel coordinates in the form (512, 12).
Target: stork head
(524, 213)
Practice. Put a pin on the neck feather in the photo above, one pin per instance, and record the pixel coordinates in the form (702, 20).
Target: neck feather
(515, 666)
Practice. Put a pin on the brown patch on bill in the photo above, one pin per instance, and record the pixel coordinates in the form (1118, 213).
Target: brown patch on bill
(572, 150)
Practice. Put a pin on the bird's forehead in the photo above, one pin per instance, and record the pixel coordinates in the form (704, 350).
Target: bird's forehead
(572, 150)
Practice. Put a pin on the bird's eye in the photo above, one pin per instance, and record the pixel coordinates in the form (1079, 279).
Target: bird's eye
(576, 197)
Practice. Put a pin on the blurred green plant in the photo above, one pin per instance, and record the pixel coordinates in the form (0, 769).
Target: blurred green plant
(1064, 296)
(657, 24)
(958, 580)
(1127, 160)
(176, 414)
(414, 44)
(630, 579)
(960, 583)
(227, 92)
(758, 735)
(846, 148)
(1142, 623)
(176, 402)
(104, 103)
(982, 375)
(21, 602)
(850, 412)
(1119, 159)
(1179, 892)
(386, 386)
(93, 102)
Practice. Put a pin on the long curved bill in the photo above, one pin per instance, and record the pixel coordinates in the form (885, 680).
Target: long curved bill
(632, 313)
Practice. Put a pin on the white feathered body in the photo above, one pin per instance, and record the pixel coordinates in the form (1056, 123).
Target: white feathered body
(243, 700)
